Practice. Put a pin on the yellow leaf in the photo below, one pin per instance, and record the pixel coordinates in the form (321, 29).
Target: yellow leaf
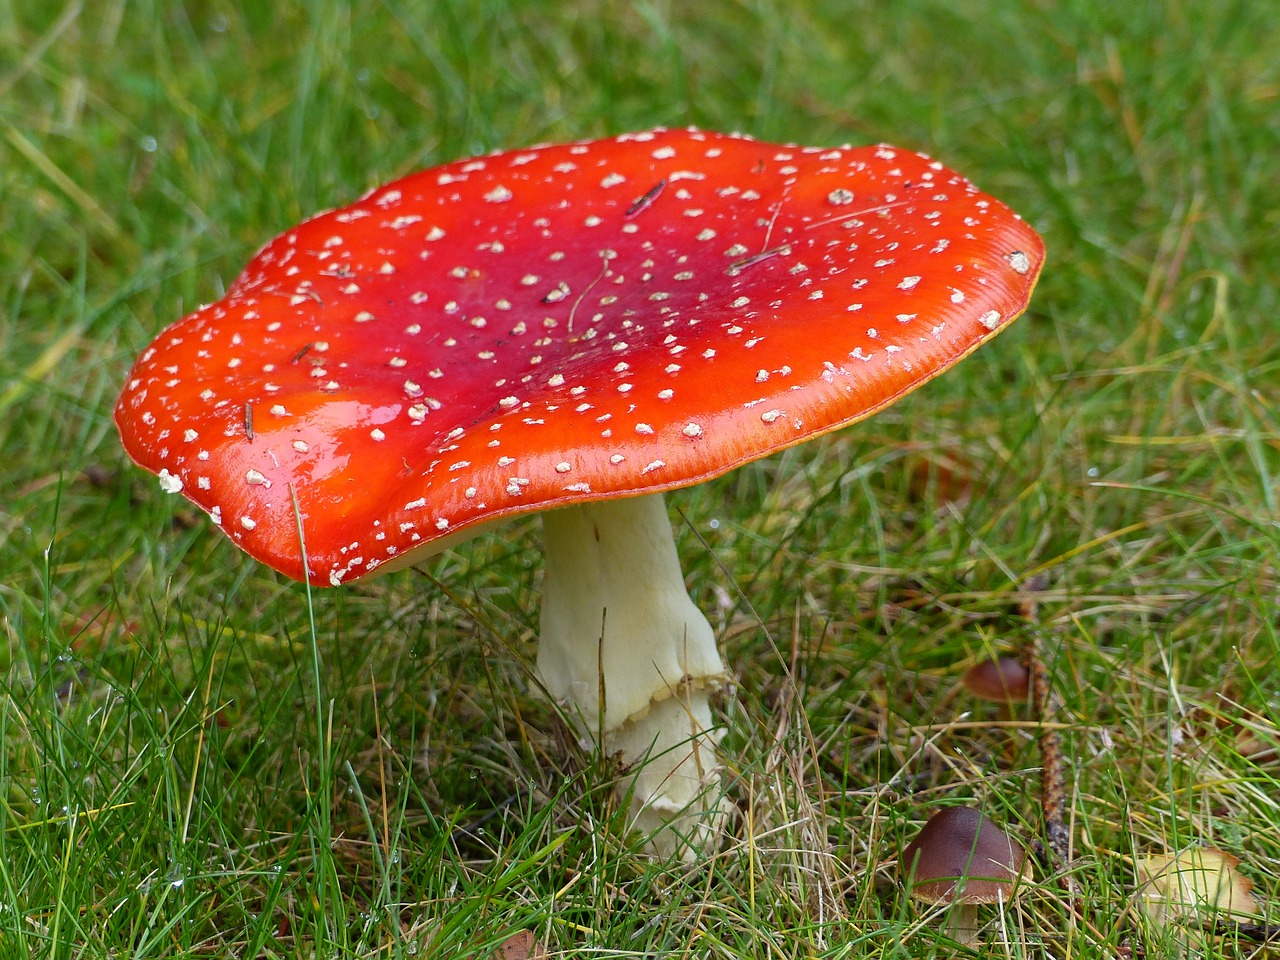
(1197, 880)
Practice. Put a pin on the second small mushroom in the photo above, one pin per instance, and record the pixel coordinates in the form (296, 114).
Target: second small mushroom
(1004, 680)
(962, 860)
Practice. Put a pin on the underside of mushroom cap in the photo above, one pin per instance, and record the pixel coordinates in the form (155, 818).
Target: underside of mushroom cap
(566, 323)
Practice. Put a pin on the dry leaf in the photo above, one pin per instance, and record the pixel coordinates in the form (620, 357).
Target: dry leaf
(522, 946)
(940, 480)
(1197, 880)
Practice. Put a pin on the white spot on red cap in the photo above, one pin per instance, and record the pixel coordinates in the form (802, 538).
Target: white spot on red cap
(169, 483)
(1020, 262)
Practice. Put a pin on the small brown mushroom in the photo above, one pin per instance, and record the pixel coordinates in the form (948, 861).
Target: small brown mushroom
(963, 859)
(1004, 680)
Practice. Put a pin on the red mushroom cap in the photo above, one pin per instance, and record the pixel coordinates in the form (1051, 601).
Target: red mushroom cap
(565, 323)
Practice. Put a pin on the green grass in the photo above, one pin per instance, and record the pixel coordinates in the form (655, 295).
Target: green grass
(199, 759)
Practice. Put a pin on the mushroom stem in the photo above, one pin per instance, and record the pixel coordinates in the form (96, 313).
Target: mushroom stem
(962, 923)
(627, 651)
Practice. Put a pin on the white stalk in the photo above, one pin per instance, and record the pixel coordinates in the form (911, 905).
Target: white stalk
(627, 651)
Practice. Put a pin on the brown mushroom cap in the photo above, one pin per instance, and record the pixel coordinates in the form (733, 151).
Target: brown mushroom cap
(562, 324)
(962, 857)
(1002, 680)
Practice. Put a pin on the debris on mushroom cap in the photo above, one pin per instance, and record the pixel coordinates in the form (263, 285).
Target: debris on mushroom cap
(961, 856)
(1002, 679)
(560, 324)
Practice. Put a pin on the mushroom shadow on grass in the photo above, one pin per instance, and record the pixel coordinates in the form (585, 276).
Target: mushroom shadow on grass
(573, 329)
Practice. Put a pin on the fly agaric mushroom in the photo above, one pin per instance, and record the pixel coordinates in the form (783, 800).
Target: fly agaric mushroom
(573, 329)
(963, 860)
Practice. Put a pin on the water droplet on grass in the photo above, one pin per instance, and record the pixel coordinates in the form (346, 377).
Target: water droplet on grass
(176, 876)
